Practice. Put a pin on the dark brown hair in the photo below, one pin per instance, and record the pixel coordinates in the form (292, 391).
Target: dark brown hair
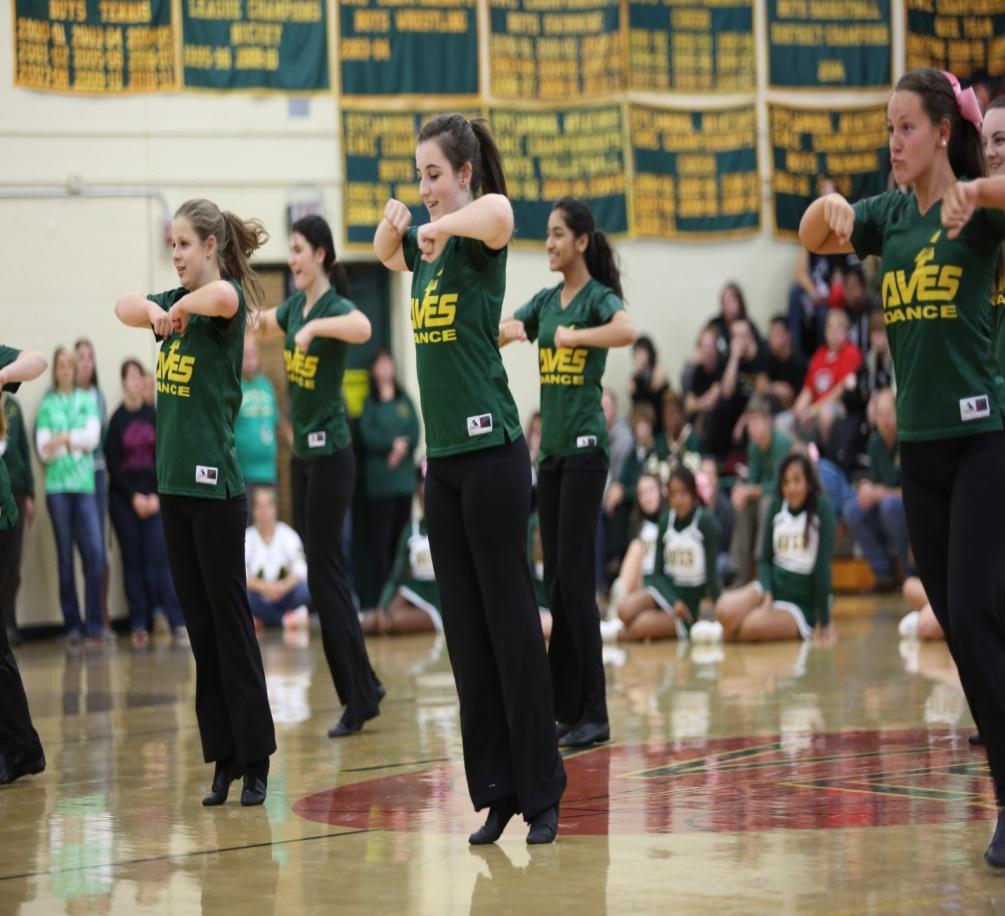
(318, 234)
(468, 141)
(601, 259)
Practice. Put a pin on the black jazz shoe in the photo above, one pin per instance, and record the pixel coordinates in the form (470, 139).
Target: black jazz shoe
(585, 734)
(544, 827)
(995, 856)
(225, 773)
(495, 824)
(23, 765)
(256, 783)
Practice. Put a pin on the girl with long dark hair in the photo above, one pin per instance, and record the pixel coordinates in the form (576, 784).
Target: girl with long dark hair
(478, 477)
(575, 323)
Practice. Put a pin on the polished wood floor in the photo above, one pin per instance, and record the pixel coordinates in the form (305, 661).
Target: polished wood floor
(782, 778)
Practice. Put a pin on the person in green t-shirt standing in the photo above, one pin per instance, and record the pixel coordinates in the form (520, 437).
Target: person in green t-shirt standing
(203, 504)
(478, 478)
(21, 751)
(255, 428)
(67, 430)
(940, 245)
(16, 452)
(320, 323)
(389, 432)
(575, 323)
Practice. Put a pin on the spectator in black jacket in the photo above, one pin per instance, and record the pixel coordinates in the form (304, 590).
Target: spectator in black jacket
(135, 510)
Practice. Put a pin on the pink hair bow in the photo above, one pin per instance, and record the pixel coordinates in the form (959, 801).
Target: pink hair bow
(966, 101)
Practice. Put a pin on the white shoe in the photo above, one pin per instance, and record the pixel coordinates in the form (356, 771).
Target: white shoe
(706, 631)
(615, 596)
(908, 626)
(609, 629)
(296, 619)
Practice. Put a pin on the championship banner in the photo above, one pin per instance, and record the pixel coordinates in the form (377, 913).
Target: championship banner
(272, 45)
(695, 172)
(837, 44)
(961, 37)
(848, 146)
(379, 151)
(94, 46)
(568, 152)
(421, 47)
(555, 49)
(691, 46)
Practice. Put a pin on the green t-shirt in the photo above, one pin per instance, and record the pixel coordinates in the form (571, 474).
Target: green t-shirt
(456, 307)
(764, 466)
(255, 430)
(72, 471)
(16, 450)
(8, 508)
(937, 304)
(379, 425)
(571, 378)
(884, 463)
(795, 565)
(198, 397)
(315, 377)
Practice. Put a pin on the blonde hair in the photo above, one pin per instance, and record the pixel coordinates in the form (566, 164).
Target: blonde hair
(236, 241)
(71, 356)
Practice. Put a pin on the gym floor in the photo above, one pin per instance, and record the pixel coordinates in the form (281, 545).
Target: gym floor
(765, 778)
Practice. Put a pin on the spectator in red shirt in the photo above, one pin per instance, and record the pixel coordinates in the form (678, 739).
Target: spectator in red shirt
(832, 369)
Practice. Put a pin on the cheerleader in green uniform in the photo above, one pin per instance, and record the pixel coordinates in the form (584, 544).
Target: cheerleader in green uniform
(684, 577)
(792, 596)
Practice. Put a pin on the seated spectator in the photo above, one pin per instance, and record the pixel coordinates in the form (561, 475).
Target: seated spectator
(748, 359)
(67, 430)
(832, 372)
(679, 442)
(619, 434)
(875, 514)
(859, 305)
(876, 371)
(767, 447)
(257, 419)
(648, 381)
(410, 599)
(705, 384)
(786, 370)
(684, 584)
(275, 565)
(718, 502)
(640, 558)
(732, 307)
(818, 286)
(920, 622)
(134, 506)
(792, 596)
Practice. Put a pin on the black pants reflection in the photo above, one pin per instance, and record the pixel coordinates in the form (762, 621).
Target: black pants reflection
(322, 492)
(954, 499)
(477, 511)
(205, 546)
(18, 738)
(569, 493)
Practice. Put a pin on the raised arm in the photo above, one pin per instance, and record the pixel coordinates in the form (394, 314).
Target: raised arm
(390, 231)
(267, 325)
(488, 219)
(217, 299)
(28, 365)
(137, 311)
(964, 197)
(353, 328)
(511, 329)
(827, 224)
(618, 332)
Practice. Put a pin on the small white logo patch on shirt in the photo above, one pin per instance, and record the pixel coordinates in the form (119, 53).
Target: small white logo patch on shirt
(317, 440)
(480, 425)
(206, 475)
(975, 408)
(585, 441)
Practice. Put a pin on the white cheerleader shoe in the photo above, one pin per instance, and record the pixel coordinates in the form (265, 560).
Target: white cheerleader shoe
(908, 626)
(609, 629)
(706, 631)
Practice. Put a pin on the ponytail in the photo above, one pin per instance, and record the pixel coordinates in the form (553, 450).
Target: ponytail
(236, 241)
(601, 259)
(318, 234)
(464, 141)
